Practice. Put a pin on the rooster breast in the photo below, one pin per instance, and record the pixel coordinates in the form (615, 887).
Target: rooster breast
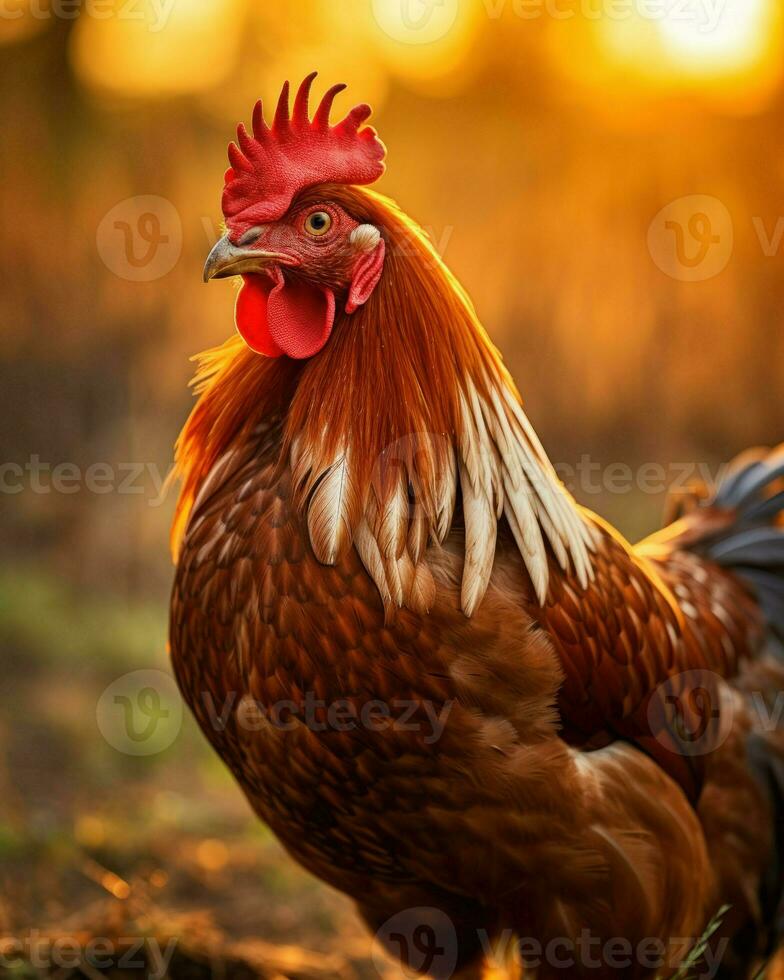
(258, 624)
(411, 758)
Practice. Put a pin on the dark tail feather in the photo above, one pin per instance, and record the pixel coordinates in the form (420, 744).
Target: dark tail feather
(768, 768)
(769, 590)
(746, 480)
(753, 545)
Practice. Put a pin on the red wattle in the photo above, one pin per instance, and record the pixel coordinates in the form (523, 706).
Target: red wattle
(250, 315)
(284, 316)
(300, 317)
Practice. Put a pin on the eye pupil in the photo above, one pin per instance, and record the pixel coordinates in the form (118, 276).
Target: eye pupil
(318, 221)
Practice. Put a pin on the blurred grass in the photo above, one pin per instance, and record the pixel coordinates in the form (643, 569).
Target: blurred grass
(61, 624)
(85, 828)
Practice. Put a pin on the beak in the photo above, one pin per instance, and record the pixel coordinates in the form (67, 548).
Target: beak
(227, 260)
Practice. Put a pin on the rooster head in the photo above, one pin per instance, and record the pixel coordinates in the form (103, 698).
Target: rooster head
(299, 253)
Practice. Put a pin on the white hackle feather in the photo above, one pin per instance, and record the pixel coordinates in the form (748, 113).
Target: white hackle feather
(481, 528)
(445, 499)
(333, 510)
(502, 472)
(391, 524)
(370, 556)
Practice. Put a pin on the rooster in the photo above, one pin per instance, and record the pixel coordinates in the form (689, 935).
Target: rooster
(453, 693)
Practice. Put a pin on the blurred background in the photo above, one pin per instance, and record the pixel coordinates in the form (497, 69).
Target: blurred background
(607, 179)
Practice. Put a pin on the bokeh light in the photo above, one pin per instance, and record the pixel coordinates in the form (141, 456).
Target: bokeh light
(735, 36)
(159, 48)
(727, 54)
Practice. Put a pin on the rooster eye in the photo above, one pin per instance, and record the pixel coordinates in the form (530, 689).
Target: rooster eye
(318, 223)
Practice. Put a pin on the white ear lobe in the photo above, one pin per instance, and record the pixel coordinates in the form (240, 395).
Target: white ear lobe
(365, 238)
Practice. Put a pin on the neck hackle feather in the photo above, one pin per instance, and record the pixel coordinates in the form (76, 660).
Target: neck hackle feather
(407, 411)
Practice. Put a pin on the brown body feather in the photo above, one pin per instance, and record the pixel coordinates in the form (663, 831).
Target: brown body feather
(554, 799)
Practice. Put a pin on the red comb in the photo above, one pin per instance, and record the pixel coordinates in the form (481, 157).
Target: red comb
(270, 167)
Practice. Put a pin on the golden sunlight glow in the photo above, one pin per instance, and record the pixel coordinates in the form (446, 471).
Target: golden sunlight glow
(415, 22)
(425, 42)
(295, 47)
(729, 51)
(735, 36)
(159, 48)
